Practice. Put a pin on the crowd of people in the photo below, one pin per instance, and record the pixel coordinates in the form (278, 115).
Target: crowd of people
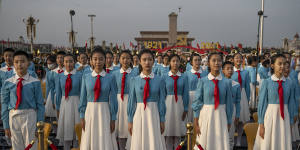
(143, 100)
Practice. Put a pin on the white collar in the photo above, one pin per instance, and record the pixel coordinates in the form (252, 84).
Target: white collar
(274, 78)
(102, 73)
(72, 72)
(235, 69)
(57, 68)
(26, 77)
(211, 77)
(12, 67)
(111, 67)
(127, 71)
(165, 65)
(135, 66)
(194, 71)
(177, 74)
(145, 76)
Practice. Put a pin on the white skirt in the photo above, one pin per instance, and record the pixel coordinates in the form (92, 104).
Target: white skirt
(277, 131)
(68, 118)
(232, 129)
(49, 111)
(122, 121)
(146, 133)
(174, 126)
(97, 135)
(190, 115)
(245, 112)
(213, 128)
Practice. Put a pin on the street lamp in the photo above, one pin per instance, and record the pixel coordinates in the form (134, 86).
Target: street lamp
(31, 30)
(72, 33)
(92, 39)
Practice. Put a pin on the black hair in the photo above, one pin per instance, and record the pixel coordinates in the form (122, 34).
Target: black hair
(273, 60)
(61, 53)
(109, 52)
(144, 51)
(266, 62)
(251, 59)
(266, 54)
(126, 52)
(100, 51)
(8, 50)
(210, 55)
(165, 55)
(192, 57)
(69, 55)
(228, 57)
(52, 58)
(30, 56)
(40, 71)
(238, 54)
(83, 54)
(159, 54)
(21, 53)
(226, 63)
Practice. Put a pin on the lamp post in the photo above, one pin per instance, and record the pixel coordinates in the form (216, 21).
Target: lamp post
(261, 27)
(72, 33)
(92, 39)
(31, 30)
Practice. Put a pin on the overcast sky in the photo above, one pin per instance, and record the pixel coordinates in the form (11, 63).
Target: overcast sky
(226, 21)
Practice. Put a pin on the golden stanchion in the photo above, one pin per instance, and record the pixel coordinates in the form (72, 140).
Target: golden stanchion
(189, 134)
(40, 126)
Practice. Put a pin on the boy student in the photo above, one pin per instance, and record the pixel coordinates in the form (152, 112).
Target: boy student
(22, 103)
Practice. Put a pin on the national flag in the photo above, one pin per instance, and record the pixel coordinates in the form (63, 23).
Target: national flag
(198, 46)
(240, 45)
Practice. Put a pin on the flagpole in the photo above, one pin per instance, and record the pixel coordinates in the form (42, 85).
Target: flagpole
(261, 28)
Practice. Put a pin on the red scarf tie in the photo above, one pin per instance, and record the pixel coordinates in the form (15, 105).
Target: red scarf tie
(9, 68)
(146, 91)
(107, 70)
(123, 85)
(216, 93)
(281, 100)
(19, 92)
(97, 88)
(60, 71)
(175, 78)
(198, 74)
(239, 77)
(68, 85)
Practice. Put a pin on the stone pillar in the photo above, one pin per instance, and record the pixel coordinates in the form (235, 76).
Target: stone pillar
(172, 29)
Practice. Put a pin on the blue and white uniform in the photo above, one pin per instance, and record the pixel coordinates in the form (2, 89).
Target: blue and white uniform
(98, 114)
(277, 130)
(213, 122)
(67, 107)
(22, 121)
(163, 70)
(146, 132)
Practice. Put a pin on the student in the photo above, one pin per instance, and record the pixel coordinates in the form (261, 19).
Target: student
(165, 68)
(83, 59)
(227, 69)
(51, 65)
(146, 107)
(275, 109)
(252, 62)
(135, 63)
(158, 64)
(8, 58)
(22, 104)
(98, 106)
(242, 77)
(123, 77)
(177, 102)
(52, 76)
(67, 89)
(194, 75)
(116, 63)
(109, 62)
(212, 107)
(295, 130)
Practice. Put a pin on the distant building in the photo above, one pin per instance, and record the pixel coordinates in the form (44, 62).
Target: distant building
(292, 45)
(161, 39)
(20, 45)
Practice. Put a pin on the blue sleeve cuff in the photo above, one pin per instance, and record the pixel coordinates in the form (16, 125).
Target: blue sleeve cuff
(114, 117)
(196, 114)
(6, 125)
(130, 119)
(81, 115)
(162, 119)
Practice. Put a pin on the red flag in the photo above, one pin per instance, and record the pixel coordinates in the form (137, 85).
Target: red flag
(124, 46)
(198, 46)
(232, 46)
(219, 46)
(224, 46)
(240, 45)
(85, 44)
(117, 46)
(131, 45)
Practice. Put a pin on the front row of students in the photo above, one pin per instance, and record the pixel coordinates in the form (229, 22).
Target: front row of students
(153, 108)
